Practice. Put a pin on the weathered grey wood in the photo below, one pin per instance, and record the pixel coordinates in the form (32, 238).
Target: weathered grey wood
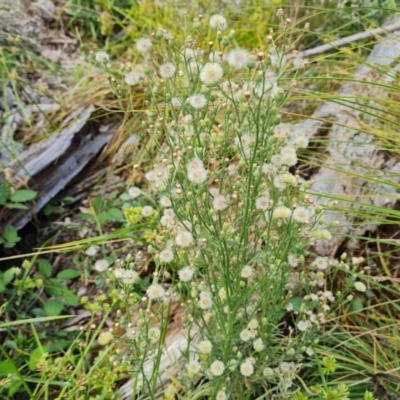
(353, 153)
(38, 157)
(385, 30)
(53, 163)
(51, 180)
(171, 362)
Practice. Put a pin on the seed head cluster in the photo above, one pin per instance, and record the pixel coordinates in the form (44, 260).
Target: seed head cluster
(224, 218)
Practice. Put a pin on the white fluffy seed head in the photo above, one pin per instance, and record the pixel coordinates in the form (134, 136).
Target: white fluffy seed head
(147, 211)
(221, 395)
(267, 372)
(220, 203)
(238, 58)
(246, 272)
(253, 324)
(176, 102)
(143, 45)
(118, 272)
(167, 70)
(302, 214)
(211, 73)
(216, 57)
(186, 274)
(165, 201)
(132, 78)
(101, 265)
(134, 192)
(193, 366)
(191, 54)
(269, 169)
(195, 164)
(276, 160)
(129, 276)
(301, 142)
(247, 369)
(101, 57)
(258, 345)
(288, 156)
(205, 347)
(197, 176)
(157, 175)
(279, 182)
(197, 100)
(293, 261)
(184, 239)
(321, 263)
(217, 368)
(303, 325)
(262, 203)
(218, 22)
(205, 301)
(155, 291)
(245, 335)
(281, 212)
(166, 255)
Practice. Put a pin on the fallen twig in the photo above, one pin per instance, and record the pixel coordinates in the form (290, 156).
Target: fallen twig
(350, 39)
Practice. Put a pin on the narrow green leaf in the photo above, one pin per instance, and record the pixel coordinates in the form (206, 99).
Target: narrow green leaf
(69, 274)
(17, 206)
(3, 195)
(33, 320)
(23, 195)
(8, 276)
(68, 199)
(11, 234)
(357, 305)
(45, 268)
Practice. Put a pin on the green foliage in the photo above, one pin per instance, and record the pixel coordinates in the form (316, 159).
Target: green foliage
(22, 195)
(13, 200)
(68, 274)
(328, 365)
(45, 268)
(53, 308)
(10, 238)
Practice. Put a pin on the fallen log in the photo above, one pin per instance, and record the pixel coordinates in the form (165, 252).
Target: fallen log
(50, 165)
(171, 363)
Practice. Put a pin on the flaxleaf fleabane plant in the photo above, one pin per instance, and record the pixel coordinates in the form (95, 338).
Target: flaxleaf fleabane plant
(234, 219)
